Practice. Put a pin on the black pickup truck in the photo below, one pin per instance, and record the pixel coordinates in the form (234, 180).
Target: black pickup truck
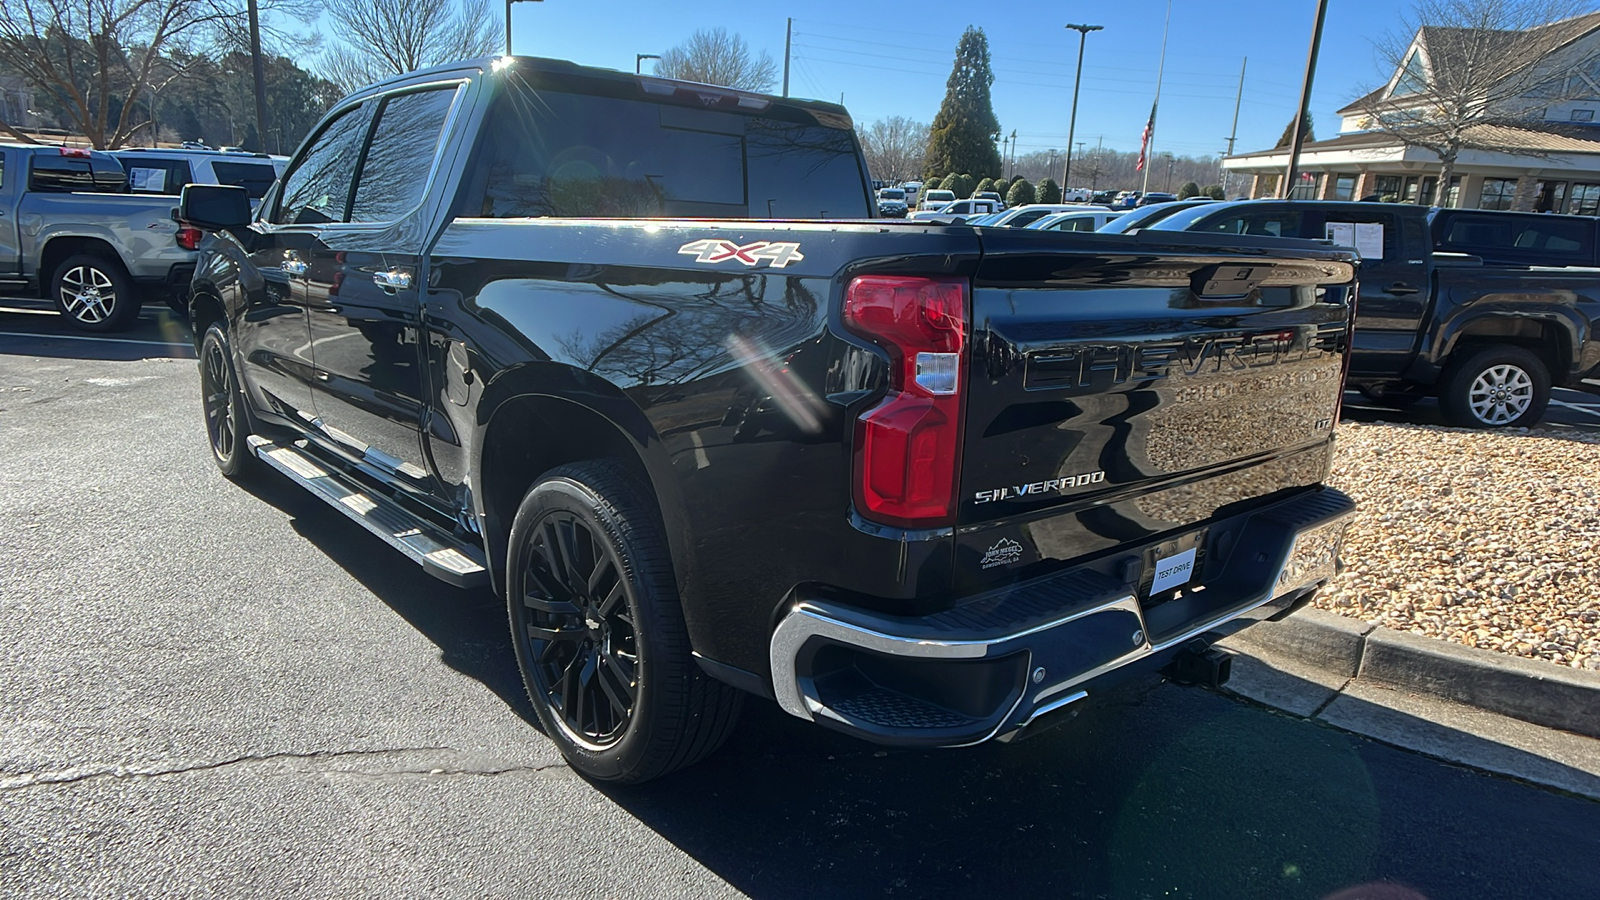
(634, 352)
(1488, 335)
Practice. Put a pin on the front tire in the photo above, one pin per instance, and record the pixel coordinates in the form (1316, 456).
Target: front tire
(227, 426)
(1496, 387)
(94, 293)
(599, 632)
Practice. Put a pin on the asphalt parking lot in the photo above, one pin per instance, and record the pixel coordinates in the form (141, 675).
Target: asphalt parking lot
(212, 690)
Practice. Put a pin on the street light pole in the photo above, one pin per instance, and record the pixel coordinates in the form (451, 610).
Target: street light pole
(508, 21)
(638, 61)
(1292, 171)
(1083, 36)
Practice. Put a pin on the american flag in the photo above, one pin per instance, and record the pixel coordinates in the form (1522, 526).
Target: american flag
(1144, 141)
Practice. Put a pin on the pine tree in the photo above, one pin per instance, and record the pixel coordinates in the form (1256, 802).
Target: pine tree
(1287, 140)
(965, 130)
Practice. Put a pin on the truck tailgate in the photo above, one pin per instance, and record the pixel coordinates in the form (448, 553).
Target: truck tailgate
(1129, 388)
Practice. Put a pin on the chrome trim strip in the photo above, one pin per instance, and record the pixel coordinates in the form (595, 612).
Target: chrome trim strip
(1052, 706)
(806, 622)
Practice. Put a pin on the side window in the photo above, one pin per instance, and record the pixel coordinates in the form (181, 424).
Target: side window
(401, 155)
(318, 187)
(1263, 224)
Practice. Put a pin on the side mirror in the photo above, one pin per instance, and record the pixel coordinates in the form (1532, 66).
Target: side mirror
(214, 207)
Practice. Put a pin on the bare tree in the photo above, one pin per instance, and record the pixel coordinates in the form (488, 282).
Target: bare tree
(374, 39)
(717, 56)
(1462, 67)
(894, 147)
(98, 59)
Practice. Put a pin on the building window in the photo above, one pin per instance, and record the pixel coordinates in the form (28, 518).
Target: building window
(1585, 200)
(1308, 187)
(1497, 193)
(1344, 187)
(1414, 80)
(1388, 188)
(1452, 197)
(1583, 115)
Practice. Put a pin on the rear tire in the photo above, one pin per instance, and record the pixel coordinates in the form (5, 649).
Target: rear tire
(94, 293)
(227, 426)
(599, 632)
(1496, 387)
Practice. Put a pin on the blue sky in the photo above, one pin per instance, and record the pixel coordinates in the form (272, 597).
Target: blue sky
(889, 57)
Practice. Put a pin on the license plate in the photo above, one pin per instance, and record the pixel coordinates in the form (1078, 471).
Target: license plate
(1174, 571)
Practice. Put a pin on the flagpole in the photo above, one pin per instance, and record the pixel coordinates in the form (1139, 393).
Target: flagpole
(1161, 69)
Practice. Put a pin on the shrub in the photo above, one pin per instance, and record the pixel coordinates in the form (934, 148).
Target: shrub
(1048, 191)
(1021, 193)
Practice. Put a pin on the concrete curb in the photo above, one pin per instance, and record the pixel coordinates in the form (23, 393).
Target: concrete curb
(1535, 692)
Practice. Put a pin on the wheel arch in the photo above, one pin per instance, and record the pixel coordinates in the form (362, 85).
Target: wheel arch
(1550, 335)
(527, 427)
(58, 249)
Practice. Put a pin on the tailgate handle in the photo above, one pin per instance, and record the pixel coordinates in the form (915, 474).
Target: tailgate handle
(1227, 282)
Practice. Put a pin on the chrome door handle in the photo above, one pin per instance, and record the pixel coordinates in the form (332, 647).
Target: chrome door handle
(394, 279)
(294, 267)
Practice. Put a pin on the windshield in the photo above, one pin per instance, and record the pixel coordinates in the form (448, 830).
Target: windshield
(891, 194)
(1145, 216)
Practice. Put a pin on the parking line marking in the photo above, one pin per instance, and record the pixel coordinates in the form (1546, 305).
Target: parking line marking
(80, 337)
(29, 312)
(1579, 408)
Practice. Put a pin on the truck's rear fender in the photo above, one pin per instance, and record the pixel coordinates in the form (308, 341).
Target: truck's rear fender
(727, 376)
(141, 238)
(1553, 315)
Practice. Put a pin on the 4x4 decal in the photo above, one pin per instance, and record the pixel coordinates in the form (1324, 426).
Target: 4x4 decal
(778, 253)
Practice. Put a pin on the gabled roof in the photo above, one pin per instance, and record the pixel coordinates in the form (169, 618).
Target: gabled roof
(1436, 43)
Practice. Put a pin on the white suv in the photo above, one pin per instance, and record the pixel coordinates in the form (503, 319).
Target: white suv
(163, 170)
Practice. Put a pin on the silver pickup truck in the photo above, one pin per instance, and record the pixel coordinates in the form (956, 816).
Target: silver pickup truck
(71, 233)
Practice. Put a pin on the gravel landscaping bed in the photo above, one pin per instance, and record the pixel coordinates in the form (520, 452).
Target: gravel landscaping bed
(1489, 539)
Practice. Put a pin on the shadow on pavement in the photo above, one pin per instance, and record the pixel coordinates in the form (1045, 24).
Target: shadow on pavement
(469, 627)
(31, 327)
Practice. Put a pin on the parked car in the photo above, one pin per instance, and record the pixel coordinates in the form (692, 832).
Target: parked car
(999, 202)
(1076, 195)
(958, 211)
(892, 203)
(912, 189)
(1104, 198)
(1151, 198)
(70, 232)
(1077, 220)
(1488, 339)
(1023, 216)
(936, 199)
(985, 220)
(162, 170)
(1145, 216)
(910, 483)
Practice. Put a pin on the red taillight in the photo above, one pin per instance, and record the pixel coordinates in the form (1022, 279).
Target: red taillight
(189, 237)
(908, 448)
(77, 152)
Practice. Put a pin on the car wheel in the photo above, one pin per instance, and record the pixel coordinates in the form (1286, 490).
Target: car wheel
(94, 293)
(599, 632)
(1496, 387)
(227, 426)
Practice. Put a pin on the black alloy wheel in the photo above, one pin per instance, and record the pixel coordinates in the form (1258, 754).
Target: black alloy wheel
(219, 396)
(579, 626)
(599, 631)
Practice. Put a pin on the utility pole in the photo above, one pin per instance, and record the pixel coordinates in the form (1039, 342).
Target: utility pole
(508, 21)
(1161, 71)
(1234, 133)
(259, 77)
(1005, 156)
(1170, 163)
(1292, 171)
(1013, 153)
(1072, 126)
(788, 34)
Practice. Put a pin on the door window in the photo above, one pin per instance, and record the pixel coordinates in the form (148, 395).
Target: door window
(317, 189)
(405, 142)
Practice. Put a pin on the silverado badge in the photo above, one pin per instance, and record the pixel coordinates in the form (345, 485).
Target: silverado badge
(777, 253)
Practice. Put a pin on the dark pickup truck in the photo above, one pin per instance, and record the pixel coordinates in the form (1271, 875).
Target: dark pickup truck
(633, 352)
(1488, 336)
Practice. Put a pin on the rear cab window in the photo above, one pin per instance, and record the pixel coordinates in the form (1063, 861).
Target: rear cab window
(254, 177)
(65, 171)
(1530, 239)
(600, 155)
